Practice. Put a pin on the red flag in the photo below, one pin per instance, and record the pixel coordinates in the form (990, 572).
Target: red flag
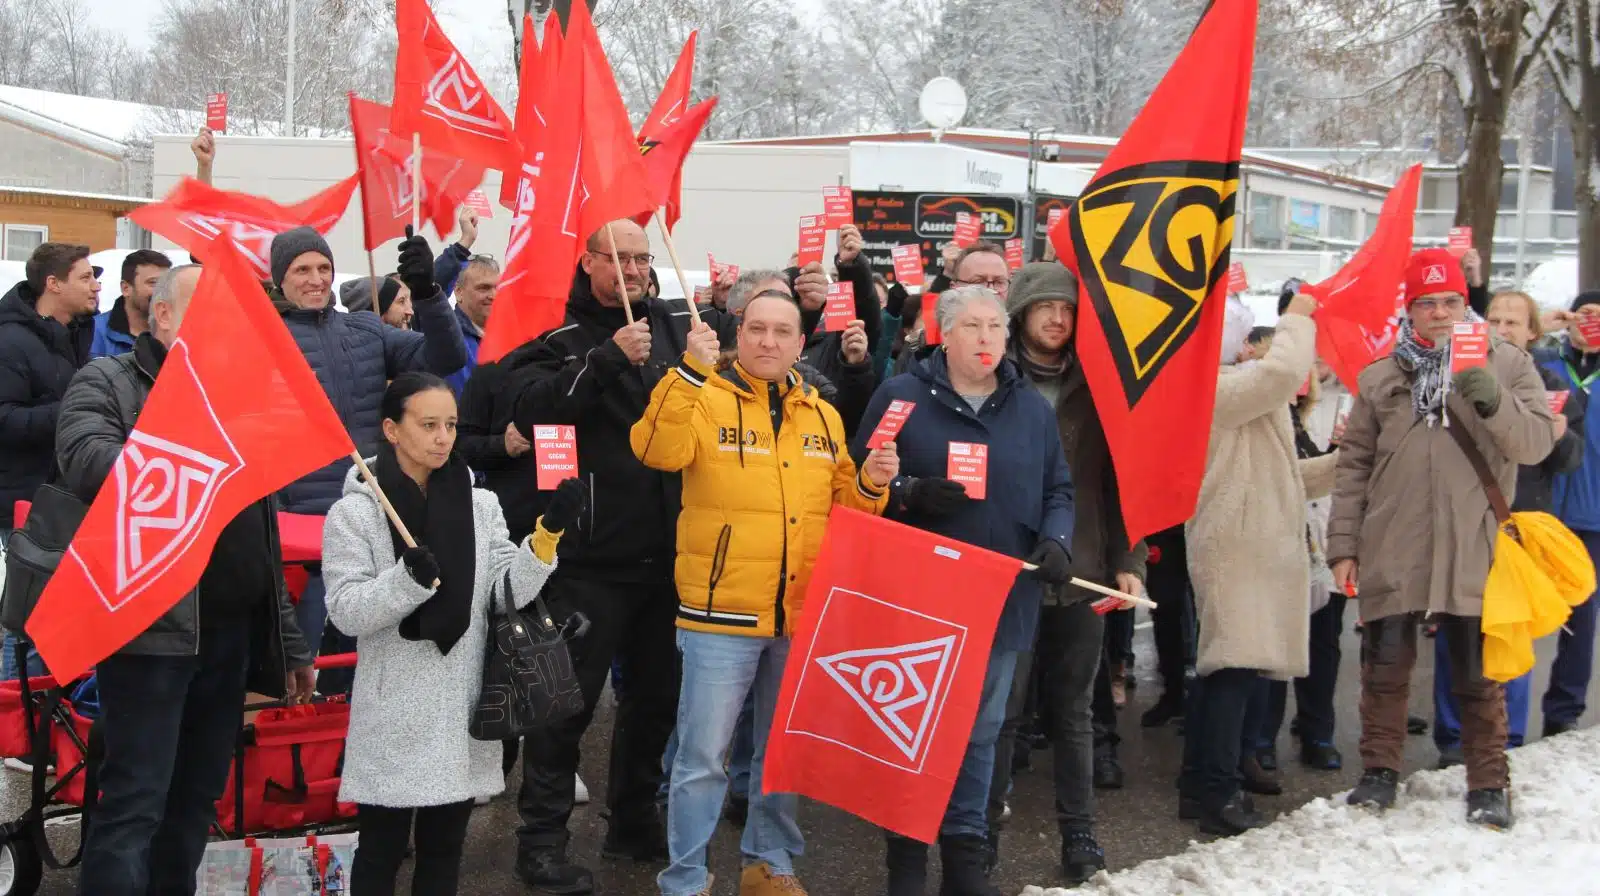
(886, 671)
(614, 183)
(1362, 304)
(385, 162)
(437, 94)
(1149, 240)
(235, 415)
(663, 161)
(673, 102)
(197, 216)
(541, 65)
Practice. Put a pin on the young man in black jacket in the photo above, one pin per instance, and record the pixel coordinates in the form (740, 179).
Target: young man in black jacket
(172, 699)
(595, 373)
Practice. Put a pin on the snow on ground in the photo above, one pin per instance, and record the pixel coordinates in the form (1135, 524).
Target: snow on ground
(1423, 845)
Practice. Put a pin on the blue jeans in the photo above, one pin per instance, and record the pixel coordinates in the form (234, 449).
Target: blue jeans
(169, 724)
(739, 755)
(8, 664)
(719, 671)
(967, 814)
(1567, 697)
(1447, 710)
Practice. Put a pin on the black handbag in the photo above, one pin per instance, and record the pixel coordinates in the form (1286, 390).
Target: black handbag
(528, 677)
(36, 549)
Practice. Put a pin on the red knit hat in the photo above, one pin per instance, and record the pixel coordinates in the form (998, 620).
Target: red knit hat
(1433, 271)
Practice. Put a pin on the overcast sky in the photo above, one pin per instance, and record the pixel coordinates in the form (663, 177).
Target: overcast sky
(476, 25)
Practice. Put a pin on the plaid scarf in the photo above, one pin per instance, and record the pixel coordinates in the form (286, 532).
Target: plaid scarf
(1431, 385)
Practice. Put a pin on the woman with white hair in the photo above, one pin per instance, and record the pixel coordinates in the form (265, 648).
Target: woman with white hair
(970, 393)
(1247, 558)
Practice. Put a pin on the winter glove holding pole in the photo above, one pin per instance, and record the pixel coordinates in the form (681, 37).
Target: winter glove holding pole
(935, 497)
(421, 566)
(1479, 386)
(1054, 565)
(416, 266)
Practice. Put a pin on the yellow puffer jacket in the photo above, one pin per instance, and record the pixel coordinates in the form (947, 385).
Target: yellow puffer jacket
(754, 505)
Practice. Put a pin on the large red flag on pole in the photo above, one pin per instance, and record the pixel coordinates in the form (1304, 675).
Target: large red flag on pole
(541, 66)
(673, 103)
(663, 161)
(235, 415)
(1149, 240)
(439, 96)
(385, 162)
(1361, 305)
(886, 671)
(197, 216)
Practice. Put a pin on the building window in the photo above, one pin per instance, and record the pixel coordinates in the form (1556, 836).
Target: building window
(1341, 223)
(1305, 224)
(21, 239)
(1266, 220)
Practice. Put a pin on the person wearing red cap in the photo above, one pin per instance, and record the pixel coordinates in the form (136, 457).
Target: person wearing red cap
(1414, 527)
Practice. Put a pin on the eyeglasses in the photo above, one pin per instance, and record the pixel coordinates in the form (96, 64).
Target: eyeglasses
(998, 284)
(484, 257)
(623, 259)
(1428, 306)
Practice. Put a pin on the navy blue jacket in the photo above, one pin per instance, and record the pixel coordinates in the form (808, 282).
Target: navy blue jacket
(38, 357)
(471, 339)
(1576, 491)
(1029, 489)
(354, 355)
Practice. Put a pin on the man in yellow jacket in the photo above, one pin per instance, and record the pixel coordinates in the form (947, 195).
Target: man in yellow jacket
(764, 459)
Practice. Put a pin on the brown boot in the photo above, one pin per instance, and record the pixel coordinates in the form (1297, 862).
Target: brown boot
(758, 880)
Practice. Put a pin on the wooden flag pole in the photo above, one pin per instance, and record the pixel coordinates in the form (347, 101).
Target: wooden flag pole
(416, 192)
(683, 281)
(383, 499)
(372, 277)
(1101, 589)
(622, 284)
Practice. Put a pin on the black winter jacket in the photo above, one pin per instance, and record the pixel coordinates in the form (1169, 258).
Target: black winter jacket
(38, 357)
(576, 375)
(1536, 482)
(487, 406)
(97, 414)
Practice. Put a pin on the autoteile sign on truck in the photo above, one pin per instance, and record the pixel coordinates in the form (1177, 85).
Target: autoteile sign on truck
(928, 220)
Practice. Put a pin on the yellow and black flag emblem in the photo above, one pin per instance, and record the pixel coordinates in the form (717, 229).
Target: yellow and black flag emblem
(1149, 240)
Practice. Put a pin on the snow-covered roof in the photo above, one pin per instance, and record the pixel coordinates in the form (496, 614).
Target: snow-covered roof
(105, 125)
(73, 194)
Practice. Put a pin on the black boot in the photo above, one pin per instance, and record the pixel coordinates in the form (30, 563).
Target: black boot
(1257, 779)
(1490, 808)
(907, 860)
(1235, 816)
(991, 851)
(1377, 789)
(644, 841)
(548, 871)
(962, 858)
(1081, 856)
(1321, 757)
(1108, 773)
(1163, 712)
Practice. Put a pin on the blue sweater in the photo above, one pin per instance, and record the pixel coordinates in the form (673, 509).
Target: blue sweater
(1029, 489)
(1577, 494)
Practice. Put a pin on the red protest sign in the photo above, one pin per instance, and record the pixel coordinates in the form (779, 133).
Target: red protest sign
(813, 234)
(719, 268)
(1053, 217)
(836, 207)
(1460, 240)
(930, 321)
(1013, 254)
(1589, 329)
(1558, 400)
(1469, 346)
(479, 203)
(841, 307)
(968, 228)
(907, 264)
(217, 113)
(969, 465)
(1237, 281)
(893, 419)
(555, 451)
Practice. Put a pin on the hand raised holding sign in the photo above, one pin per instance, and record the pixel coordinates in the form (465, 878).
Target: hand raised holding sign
(854, 345)
(849, 244)
(882, 465)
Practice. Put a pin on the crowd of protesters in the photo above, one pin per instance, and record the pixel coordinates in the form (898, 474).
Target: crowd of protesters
(750, 412)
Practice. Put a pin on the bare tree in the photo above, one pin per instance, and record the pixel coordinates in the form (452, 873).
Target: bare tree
(24, 31)
(1572, 56)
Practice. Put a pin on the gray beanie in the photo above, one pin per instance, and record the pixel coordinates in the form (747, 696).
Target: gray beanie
(292, 244)
(356, 294)
(1041, 281)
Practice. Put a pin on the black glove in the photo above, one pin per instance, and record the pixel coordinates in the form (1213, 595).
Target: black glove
(896, 302)
(935, 497)
(421, 566)
(565, 505)
(1055, 566)
(416, 266)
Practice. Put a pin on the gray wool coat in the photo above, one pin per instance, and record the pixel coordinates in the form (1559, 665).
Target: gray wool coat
(408, 744)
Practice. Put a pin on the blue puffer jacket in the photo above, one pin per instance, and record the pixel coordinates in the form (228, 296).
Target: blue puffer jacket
(1577, 494)
(354, 356)
(1029, 489)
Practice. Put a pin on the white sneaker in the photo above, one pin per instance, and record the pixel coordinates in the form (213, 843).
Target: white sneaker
(580, 795)
(17, 765)
(1005, 812)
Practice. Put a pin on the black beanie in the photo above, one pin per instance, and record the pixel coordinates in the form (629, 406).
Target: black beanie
(387, 290)
(1592, 297)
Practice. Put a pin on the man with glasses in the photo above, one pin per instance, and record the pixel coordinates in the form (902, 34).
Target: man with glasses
(596, 373)
(981, 264)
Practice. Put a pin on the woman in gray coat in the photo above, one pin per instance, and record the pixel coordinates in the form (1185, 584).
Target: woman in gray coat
(421, 619)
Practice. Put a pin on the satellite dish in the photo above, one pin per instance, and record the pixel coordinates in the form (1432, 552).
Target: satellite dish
(943, 103)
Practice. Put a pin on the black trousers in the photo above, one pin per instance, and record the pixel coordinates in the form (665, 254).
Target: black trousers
(1173, 619)
(637, 623)
(441, 832)
(1313, 694)
(1219, 704)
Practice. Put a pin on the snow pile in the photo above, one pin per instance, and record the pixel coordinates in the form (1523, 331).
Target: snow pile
(1423, 845)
